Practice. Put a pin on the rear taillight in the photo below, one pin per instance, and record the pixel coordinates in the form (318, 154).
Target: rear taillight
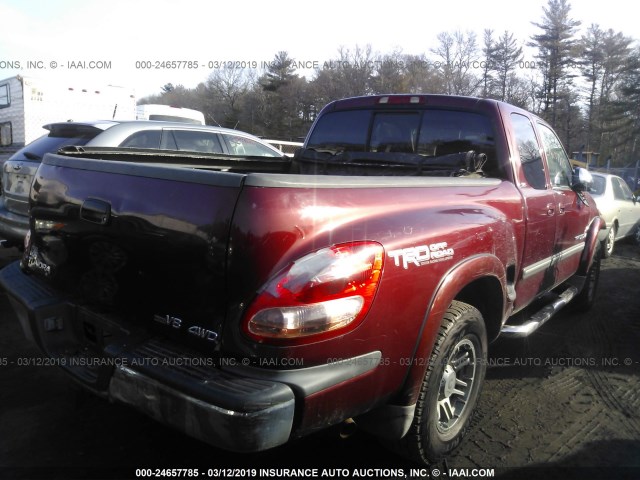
(323, 294)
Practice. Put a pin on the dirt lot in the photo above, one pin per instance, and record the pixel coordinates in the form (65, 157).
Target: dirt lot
(565, 403)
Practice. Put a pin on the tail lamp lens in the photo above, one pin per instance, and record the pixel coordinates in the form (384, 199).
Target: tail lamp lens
(322, 293)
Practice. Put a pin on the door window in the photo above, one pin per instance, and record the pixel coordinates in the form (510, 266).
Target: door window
(192, 141)
(559, 166)
(143, 139)
(529, 151)
(239, 145)
(620, 190)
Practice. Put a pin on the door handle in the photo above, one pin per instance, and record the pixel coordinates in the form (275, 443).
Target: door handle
(95, 211)
(551, 209)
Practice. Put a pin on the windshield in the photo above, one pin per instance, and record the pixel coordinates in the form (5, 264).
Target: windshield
(56, 139)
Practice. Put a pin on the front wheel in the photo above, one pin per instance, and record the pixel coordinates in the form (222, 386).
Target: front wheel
(450, 388)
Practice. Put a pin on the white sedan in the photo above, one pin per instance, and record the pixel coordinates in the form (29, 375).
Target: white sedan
(618, 206)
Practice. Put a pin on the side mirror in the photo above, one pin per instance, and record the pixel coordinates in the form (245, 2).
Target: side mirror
(582, 180)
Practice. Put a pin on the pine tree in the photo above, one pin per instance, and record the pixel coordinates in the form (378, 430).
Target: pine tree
(556, 46)
(506, 57)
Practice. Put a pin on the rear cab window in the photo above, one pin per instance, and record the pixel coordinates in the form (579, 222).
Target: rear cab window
(341, 131)
(423, 135)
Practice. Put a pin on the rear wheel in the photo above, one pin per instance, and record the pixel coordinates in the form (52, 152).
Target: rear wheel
(586, 298)
(450, 387)
(610, 241)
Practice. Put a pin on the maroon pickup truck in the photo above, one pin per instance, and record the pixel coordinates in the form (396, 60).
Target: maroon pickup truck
(249, 301)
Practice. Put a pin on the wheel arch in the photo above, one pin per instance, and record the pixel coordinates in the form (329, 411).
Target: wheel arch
(486, 295)
(591, 244)
(479, 281)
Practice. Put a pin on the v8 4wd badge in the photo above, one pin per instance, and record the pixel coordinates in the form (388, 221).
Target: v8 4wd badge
(176, 323)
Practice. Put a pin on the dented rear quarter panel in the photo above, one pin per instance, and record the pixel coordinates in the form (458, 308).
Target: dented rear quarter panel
(465, 219)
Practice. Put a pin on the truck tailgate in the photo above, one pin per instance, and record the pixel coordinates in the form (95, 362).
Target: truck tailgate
(147, 243)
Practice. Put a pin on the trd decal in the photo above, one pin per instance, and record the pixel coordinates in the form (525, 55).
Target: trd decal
(421, 255)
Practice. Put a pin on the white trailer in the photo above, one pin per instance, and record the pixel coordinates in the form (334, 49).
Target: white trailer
(168, 113)
(27, 103)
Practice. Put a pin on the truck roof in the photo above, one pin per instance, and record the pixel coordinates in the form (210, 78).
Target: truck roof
(411, 101)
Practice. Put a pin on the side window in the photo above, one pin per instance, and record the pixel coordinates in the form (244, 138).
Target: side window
(620, 190)
(626, 191)
(617, 191)
(144, 139)
(529, 151)
(193, 141)
(246, 146)
(5, 99)
(557, 160)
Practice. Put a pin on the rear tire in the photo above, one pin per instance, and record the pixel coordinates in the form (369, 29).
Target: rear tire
(609, 243)
(586, 298)
(450, 388)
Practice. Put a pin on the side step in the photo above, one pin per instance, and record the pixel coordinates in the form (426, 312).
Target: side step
(540, 317)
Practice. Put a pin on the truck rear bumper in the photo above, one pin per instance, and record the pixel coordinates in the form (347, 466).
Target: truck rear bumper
(178, 387)
(232, 428)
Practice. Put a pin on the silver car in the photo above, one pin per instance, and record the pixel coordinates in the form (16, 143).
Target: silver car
(183, 137)
(618, 206)
(18, 171)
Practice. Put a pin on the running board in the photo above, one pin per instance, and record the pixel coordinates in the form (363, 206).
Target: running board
(540, 318)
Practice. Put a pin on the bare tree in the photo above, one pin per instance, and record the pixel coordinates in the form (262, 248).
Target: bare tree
(227, 87)
(390, 73)
(458, 57)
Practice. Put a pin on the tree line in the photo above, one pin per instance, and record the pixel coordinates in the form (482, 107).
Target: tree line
(586, 85)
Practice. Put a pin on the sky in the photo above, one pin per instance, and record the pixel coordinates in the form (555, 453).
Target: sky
(125, 42)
